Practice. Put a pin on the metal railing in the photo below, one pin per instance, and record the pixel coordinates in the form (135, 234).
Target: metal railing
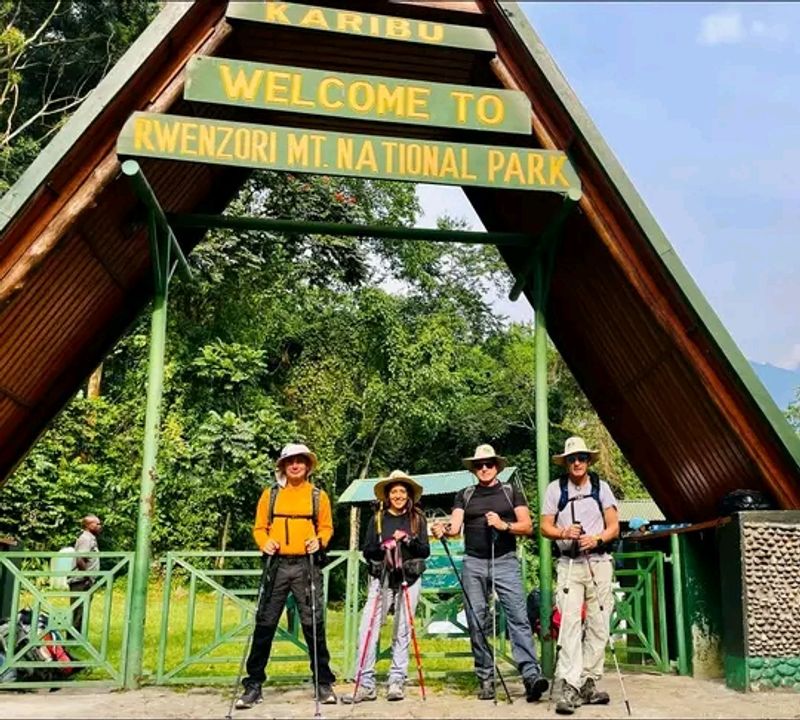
(87, 618)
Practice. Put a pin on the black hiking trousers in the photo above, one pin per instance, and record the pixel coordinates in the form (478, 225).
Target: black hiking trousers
(291, 574)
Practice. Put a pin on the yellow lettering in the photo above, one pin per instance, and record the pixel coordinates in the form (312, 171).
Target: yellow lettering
(349, 22)
(465, 173)
(366, 91)
(344, 153)
(222, 153)
(141, 134)
(449, 165)
(297, 98)
(259, 141)
(208, 134)
(315, 18)
(434, 34)
(390, 147)
(241, 144)
(324, 97)
(556, 166)
(414, 159)
(318, 140)
(242, 86)
(493, 115)
(188, 136)
(461, 104)
(276, 12)
(398, 28)
(514, 169)
(366, 158)
(430, 161)
(276, 88)
(167, 136)
(494, 162)
(297, 150)
(535, 166)
(418, 103)
(390, 100)
(374, 25)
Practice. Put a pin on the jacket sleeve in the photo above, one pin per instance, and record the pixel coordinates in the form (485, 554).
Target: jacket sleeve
(325, 520)
(261, 527)
(371, 547)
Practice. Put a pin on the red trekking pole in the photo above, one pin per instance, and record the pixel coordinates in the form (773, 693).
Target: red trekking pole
(370, 628)
(410, 614)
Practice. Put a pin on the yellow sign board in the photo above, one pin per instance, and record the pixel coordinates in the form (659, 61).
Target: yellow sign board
(330, 153)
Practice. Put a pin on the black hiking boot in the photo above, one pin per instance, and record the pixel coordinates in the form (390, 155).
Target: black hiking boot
(486, 690)
(569, 701)
(590, 695)
(326, 695)
(251, 696)
(535, 687)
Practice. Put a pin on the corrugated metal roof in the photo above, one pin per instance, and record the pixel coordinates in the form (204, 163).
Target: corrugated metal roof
(646, 509)
(443, 483)
(665, 377)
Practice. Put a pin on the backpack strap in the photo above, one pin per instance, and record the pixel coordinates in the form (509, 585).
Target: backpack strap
(315, 500)
(468, 493)
(273, 497)
(508, 491)
(563, 484)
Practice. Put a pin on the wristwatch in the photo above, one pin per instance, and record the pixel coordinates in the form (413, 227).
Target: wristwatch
(508, 527)
(599, 539)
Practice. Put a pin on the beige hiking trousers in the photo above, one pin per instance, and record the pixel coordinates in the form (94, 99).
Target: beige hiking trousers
(582, 653)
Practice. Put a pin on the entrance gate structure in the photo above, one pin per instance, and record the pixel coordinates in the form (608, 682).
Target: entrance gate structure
(457, 93)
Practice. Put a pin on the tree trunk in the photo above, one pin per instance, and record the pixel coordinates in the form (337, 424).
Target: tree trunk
(93, 390)
(220, 564)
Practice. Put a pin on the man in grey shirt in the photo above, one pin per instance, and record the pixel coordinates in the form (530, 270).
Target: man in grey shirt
(579, 512)
(86, 543)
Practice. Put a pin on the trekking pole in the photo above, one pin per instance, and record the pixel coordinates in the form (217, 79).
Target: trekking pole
(317, 713)
(368, 637)
(611, 643)
(468, 606)
(264, 580)
(494, 616)
(560, 630)
(410, 614)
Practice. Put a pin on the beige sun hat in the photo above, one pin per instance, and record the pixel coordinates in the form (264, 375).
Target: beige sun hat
(574, 445)
(398, 476)
(291, 450)
(485, 452)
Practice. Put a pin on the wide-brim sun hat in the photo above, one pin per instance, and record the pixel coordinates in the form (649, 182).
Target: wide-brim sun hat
(485, 452)
(398, 476)
(574, 445)
(293, 449)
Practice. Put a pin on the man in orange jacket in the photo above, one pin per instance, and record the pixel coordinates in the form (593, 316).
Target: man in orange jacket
(293, 521)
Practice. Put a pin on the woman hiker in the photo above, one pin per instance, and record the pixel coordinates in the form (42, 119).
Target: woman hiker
(395, 546)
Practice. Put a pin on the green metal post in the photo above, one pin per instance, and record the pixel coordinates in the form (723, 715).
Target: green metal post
(543, 466)
(141, 570)
(677, 590)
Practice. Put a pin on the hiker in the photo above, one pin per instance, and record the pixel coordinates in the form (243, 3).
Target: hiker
(86, 543)
(494, 514)
(293, 522)
(398, 527)
(579, 512)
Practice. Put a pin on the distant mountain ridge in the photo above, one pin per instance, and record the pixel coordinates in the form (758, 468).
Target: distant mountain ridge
(782, 384)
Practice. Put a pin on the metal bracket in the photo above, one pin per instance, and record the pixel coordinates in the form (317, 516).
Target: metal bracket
(540, 263)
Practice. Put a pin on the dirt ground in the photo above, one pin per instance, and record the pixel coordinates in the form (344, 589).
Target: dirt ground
(650, 696)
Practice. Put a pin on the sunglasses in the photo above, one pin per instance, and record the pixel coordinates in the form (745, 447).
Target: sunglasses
(483, 464)
(577, 457)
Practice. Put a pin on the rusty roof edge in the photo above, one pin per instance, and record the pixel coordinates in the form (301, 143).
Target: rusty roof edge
(98, 99)
(674, 267)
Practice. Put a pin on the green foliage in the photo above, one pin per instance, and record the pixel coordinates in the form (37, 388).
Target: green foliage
(380, 354)
(793, 412)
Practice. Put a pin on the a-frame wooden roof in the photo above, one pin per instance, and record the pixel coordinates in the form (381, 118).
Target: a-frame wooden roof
(665, 377)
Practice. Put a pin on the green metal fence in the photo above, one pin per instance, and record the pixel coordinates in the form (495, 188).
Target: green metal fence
(639, 620)
(204, 636)
(42, 609)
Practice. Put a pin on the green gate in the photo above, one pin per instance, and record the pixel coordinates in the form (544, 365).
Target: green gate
(204, 643)
(640, 612)
(39, 593)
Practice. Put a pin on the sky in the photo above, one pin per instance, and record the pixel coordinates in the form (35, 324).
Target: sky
(700, 103)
